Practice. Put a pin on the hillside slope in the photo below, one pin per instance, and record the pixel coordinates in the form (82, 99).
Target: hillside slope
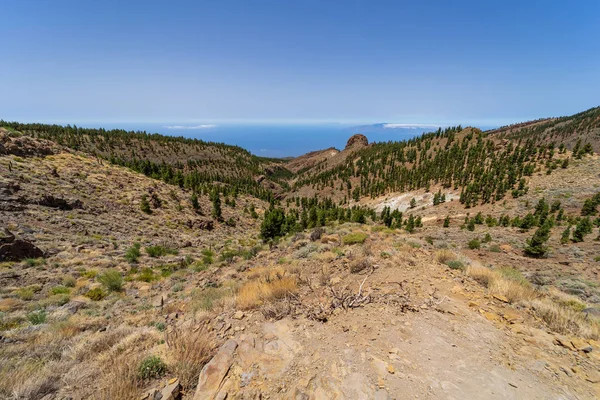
(116, 285)
(583, 127)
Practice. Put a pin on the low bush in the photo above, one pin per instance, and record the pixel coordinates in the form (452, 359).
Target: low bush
(159, 251)
(152, 367)
(69, 281)
(112, 280)
(147, 275)
(354, 238)
(37, 317)
(133, 253)
(455, 264)
(474, 244)
(60, 289)
(207, 256)
(96, 294)
(359, 265)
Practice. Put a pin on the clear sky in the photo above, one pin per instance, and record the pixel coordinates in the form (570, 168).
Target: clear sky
(490, 62)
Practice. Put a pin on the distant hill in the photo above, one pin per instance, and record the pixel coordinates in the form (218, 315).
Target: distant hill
(583, 127)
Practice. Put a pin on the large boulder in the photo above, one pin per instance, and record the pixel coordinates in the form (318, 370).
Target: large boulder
(357, 140)
(19, 249)
(60, 203)
(214, 373)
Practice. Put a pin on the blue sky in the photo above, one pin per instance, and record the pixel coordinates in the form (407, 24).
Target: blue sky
(435, 62)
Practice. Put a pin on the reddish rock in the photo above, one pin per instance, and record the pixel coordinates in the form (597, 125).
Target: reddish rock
(357, 140)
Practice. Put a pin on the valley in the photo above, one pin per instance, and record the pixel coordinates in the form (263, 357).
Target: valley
(458, 264)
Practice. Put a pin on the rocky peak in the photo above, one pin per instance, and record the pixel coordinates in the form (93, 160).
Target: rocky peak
(358, 139)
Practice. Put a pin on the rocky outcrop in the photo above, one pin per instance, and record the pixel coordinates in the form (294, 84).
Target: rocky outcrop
(203, 224)
(213, 374)
(357, 140)
(12, 249)
(60, 203)
(25, 146)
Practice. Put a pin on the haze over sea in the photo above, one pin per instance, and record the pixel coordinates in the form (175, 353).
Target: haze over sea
(278, 140)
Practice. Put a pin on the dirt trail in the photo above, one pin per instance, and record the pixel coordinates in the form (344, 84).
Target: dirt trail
(456, 345)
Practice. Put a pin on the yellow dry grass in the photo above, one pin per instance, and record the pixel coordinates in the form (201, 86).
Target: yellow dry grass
(9, 304)
(189, 349)
(267, 285)
(444, 255)
(558, 310)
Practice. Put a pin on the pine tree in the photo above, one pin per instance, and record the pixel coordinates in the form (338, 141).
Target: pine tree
(583, 228)
(536, 246)
(413, 203)
(272, 225)
(447, 222)
(216, 203)
(564, 238)
(194, 200)
(589, 207)
(410, 224)
(145, 205)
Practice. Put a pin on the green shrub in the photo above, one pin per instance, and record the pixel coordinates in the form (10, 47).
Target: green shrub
(207, 256)
(159, 251)
(355, 238)
(199, 266)
(112, 280)
(487, 238)
(25, 293)
(34, 262)
(56, 300)
(145, 205)
(37, 317)
(89, 274)
(96, 294)
(60, 289)
(494, 248)
(455, 264)
(147, 275)
(133, 253)
(151, 367)
(474, 244)
(414, 245)
(159, 325)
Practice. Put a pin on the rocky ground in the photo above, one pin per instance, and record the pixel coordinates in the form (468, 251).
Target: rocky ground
(205, 310)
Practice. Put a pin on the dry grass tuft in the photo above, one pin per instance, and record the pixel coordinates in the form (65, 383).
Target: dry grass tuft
(558, 310)
(443, 256)
(121, 379)
(481, 274)
(189, 349)
(268, 285)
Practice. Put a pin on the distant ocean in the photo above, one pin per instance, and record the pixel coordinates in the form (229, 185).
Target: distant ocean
(274, 140)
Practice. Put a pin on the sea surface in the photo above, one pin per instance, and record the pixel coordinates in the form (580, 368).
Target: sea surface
(273, 140)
